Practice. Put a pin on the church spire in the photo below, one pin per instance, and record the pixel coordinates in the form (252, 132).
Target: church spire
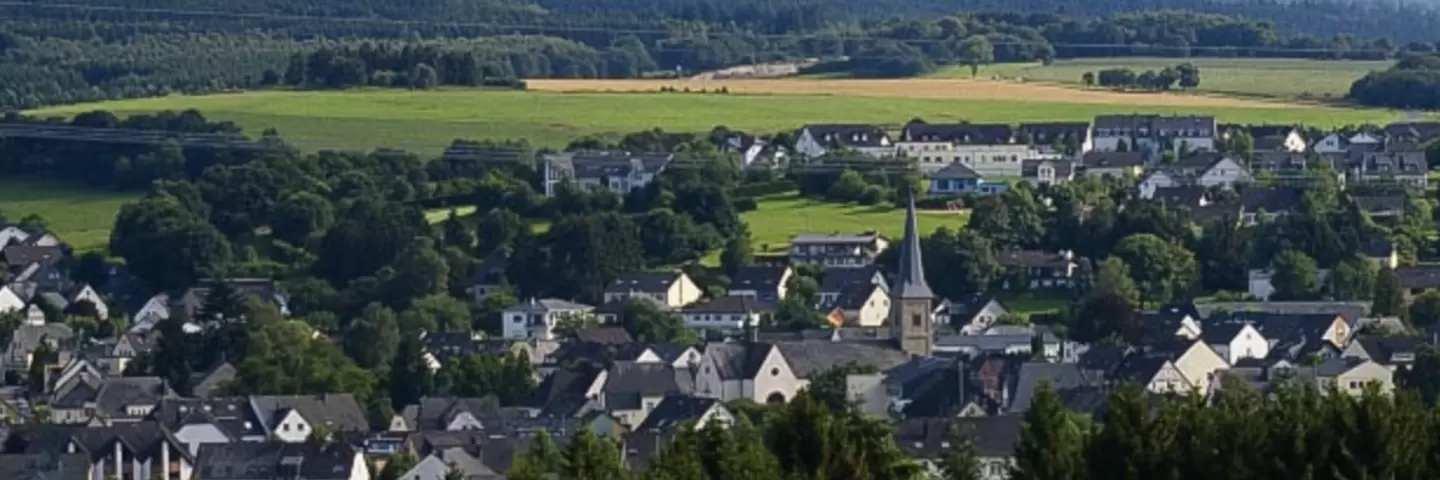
(910, 283)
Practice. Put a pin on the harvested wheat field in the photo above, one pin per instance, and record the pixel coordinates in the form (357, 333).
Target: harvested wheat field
(937, 88)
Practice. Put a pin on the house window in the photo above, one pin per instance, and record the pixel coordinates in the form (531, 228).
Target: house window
(775, 372)
(285, 427)
(997, 469)
(915, 319)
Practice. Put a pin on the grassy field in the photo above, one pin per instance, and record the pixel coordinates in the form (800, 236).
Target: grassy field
(427, 121)
(80, 216)
(781, 217)
(1257, 77)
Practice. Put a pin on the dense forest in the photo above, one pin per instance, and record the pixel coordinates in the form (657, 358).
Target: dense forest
(56, 54)
(1413, 82)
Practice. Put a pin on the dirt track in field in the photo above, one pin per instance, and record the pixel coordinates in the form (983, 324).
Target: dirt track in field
(938, 88)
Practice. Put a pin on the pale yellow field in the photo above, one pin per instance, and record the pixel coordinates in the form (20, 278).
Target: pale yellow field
(937, 88)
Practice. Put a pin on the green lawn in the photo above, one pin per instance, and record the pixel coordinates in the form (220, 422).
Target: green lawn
(781, 217)
(78, 215)
(427, 121)
(1261, 77)
(1026, 304)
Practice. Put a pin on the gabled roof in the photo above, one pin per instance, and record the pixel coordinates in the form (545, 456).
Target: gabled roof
(735, 361)
(1032, 258)
(336, 411)
(45, 466)
(1338, 366)
(1222, 333)
(674, 410)
(645, 282)
(836, 278)
(758, 277)
(736, 304)
(1425, 275)
(854, 296)
(252, 460)
(1140, 368)
(117, 393)
(436, 413)
(1048, 131)
(626, 382)
(963, 133)
(929, 438)
(808, 357)
(1059, 375)
(22, 255)
(1097, 159)
(852, 135)
(971, 305)
(1274, 199)
(1382, 349)
(955, 171)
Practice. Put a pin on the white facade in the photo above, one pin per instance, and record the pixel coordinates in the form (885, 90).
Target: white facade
(1331, 143)
(526, 321)
(1001, 160)
(1226, 172)
(9, 301)
(1156, 180)
(1169, 379)
(88, 294)
(196, 434)
(981, 320)
(879, 147)
(1198, 365)
(1249, 343)
(723, 321)
(12, 234)
(292, 428)
(773, 382)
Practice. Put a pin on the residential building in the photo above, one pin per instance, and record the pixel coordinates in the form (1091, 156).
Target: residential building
(632, 390)
(293, 418)
(1112, 164)
(538, 318)
(620, 172)
(302, 461)
(1152, 134)
(1062, 138)
(1047, 171)
(957, 178)
(726, 314)
(838, 250)
(1236, 341)
(488, 277)
(1405, 167)
(1352, 375)
(973, 346)
(765, 283)
(860, 305)
(973, 314)
(988, 149)
(673, 289)
(675, 410)
(1037, 269)
(139, 450)
(836, 279)
(108, 401)
(817, 140)
(992, 438)
(1154, 374)
(1392, 352)
(1413, 132)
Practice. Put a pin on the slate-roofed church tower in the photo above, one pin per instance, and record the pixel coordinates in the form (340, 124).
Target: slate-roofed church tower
(910, 296)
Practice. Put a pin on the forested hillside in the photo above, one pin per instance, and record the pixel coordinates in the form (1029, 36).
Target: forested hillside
(109, 49)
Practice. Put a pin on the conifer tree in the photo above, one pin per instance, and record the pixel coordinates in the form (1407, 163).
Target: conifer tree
(1051, 442)
(959, 462)
(589, 457)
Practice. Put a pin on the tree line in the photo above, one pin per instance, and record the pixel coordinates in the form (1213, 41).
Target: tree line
(1413, 82)
(57, 56)
(1186, 75)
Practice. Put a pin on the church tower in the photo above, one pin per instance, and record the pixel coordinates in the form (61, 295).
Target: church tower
(910, 296)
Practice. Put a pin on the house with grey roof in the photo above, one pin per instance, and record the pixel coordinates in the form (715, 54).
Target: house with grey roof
(1352, 375)
(837, 279)
(446, 413)
(773, 372)
(28, 337)
(299, 461)
(1037, 269)
(730, 314)
(993, 438)
(436, 466)
(46, 466)
(676, 410)
(983, 345)
(1059, 376)
(959, 178)
(1064, 138)
(837, 249)
(671, 289)
(1153, 134)
(632, 390)
(488, 277)
(108, 401)
(197, 422)
(618, 172)
(292, 418)
(859, 305)
(1047, 171)
(817, 140)
(765, 283)
(1112, 164)
(537, 318)
(132, 450)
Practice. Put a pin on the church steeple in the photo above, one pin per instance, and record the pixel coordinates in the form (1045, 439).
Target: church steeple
(910, 283)
(910, 296)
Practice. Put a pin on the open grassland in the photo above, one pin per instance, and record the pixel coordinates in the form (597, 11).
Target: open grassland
(80, 216)
(780, 217)
(1280, 78)
(550, 116)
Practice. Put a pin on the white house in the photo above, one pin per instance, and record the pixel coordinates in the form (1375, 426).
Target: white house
(10, 301)
(10, 234)
(1152, 134)
(1236, 341)
(537, 318)
(672, 289)
(726, 314)
(87, 294)
(1225, 172)
(620, 172)
(817, 140)
(1156, 179)
(1332, 143)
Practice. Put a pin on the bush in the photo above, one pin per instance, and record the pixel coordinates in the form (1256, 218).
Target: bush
(763, 188)
(745, 204)
(872, 195)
